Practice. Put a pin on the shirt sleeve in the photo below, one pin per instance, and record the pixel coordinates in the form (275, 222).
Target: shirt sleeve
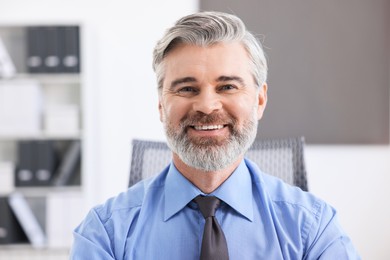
(91, 240)
(328, 240)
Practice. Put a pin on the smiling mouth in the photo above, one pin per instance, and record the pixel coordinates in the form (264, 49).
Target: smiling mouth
(207, 127)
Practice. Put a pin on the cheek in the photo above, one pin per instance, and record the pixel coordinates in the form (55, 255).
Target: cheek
(243, 109)
(173, 111)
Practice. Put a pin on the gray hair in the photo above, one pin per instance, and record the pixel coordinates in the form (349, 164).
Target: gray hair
(205, 29)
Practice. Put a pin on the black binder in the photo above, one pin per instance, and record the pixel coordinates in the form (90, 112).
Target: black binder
(36, 44)
(52, 59)
(10, 230)
(45, 163)
(25, 170)
(70, 49)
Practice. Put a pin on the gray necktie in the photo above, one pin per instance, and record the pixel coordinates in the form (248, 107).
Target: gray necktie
(214, 245)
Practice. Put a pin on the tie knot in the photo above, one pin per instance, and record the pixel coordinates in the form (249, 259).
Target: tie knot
(207, 205)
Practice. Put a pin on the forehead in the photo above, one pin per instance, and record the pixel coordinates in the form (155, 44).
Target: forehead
(210, 62)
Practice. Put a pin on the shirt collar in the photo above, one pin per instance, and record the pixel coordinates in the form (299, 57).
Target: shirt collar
(178, 192)
(236, 191)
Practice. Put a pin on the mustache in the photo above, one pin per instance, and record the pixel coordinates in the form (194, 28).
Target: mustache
(215, 118)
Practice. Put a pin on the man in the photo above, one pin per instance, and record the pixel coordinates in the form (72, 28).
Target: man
(211, 75)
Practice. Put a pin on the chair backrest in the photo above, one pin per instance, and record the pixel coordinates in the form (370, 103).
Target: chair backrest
(282, 158)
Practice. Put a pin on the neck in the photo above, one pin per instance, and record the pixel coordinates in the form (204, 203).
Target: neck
(207, 182)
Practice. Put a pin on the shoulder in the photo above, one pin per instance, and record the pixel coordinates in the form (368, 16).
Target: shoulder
(297, 211)
(281, 193)
(306, 219)
(130, 200)
(124, 202)
(298, 208)
(108, 225)
(301, 209)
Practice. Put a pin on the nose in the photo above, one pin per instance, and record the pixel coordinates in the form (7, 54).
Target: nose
(207, 102)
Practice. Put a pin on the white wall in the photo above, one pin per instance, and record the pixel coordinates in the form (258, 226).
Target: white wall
(121, 102)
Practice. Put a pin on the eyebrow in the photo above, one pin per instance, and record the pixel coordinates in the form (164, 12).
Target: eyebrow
(181, 81)
(219, 79)
(231, 78)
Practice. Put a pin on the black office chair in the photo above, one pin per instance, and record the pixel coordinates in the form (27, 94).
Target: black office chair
(282, 158)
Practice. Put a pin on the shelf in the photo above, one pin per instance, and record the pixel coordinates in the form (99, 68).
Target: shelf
(43, 191)
(39, 136)
(27, 246)
(52, 78)
(27, 252)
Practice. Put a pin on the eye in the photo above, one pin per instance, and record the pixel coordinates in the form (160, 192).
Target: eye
(186, 89)
(227, 87)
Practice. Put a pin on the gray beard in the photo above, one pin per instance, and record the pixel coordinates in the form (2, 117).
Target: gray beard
(207, 155)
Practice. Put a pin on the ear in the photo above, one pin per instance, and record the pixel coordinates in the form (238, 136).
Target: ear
(160, 110)
(262, 99)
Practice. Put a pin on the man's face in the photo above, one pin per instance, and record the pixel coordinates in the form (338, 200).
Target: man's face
(209, 104)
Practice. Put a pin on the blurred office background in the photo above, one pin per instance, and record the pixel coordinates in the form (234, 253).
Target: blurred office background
(329, 81)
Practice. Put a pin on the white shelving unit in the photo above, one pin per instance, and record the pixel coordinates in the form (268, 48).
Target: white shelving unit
(65, 204)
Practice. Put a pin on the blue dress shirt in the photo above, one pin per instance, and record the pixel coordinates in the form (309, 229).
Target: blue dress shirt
(262, 218)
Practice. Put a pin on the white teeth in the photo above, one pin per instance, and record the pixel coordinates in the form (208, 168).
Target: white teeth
(208, 127)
